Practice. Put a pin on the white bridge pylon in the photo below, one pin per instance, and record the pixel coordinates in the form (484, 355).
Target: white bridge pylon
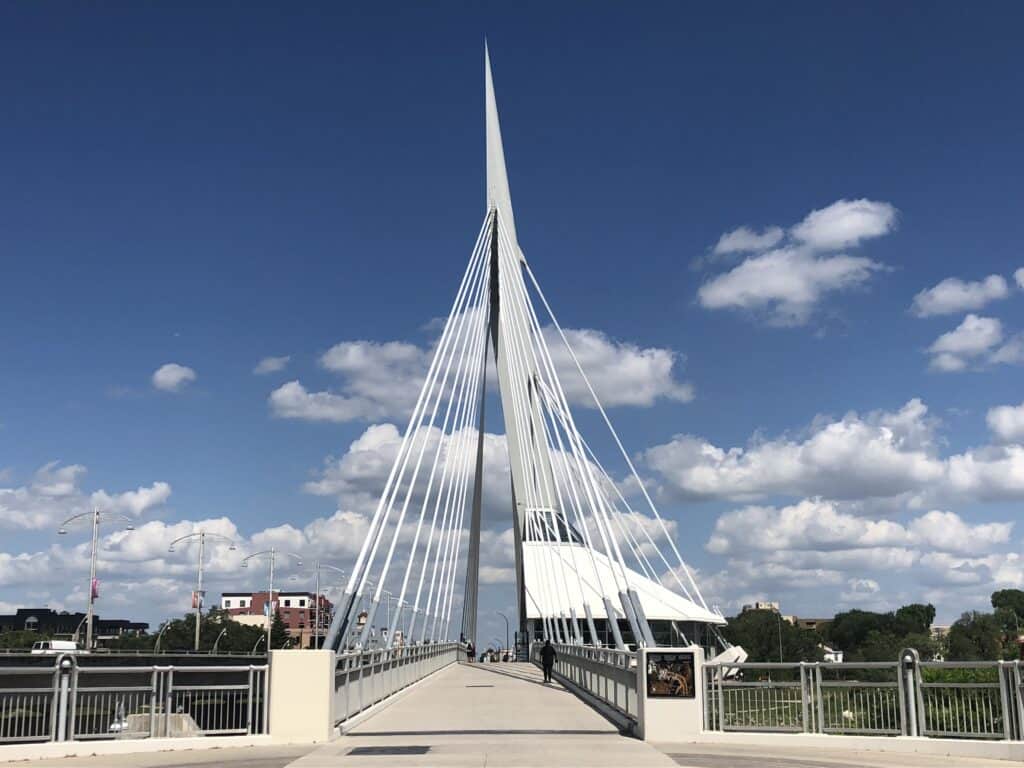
(585, 559)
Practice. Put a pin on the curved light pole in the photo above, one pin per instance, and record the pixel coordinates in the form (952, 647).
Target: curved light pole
(217, 641)
(160, 635)
(98, 516)
(257, 644)
(271, 554)
(201, 535)
(79, 629)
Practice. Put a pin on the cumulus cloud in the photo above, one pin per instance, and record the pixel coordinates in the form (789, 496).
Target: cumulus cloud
(1018, 277)
(271, 365)
(788, 280)
(845, 224)
(621, 373)
(745, 239)
(172, 377)
(813, 543)
(972, 339)
(954, 295)
(880, 455)
(1007, 422)
(382, 380)
(54, 493)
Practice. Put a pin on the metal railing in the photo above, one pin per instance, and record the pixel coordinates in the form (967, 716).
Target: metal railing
(605, 673)
(364, 678)
(965, 700)
(65, 701)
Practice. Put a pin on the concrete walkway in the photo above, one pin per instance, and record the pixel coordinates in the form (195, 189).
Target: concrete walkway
(486, 715)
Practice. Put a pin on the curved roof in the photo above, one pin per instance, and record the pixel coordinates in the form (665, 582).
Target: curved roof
(552, 587)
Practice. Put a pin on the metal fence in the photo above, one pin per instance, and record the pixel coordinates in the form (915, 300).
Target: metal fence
(966, 700)
(363, 678)
(65, 701)
(605, 673)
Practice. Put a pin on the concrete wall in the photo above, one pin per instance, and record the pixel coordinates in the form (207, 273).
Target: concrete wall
(302, 695)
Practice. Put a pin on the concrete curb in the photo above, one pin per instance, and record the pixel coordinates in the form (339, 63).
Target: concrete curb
(22, 752)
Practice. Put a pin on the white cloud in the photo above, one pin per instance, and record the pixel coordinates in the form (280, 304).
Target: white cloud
(172, 377)
(788, 279)
(845, 224)
(880, 455)
(271, 364)
(973, 338)
(1011, 353)
(953, 295)
(294, 401)
(54, 494)
(1007, 422)
(1018, 277)
(382, 380)
(745, 239)
(621, 373)
(788, 283)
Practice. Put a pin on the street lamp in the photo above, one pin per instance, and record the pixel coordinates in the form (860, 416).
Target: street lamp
(217, 641)
(317, 565)
(160, 635)
(257, 644)
(201, 535)
(506, 627)
(97, 516)
(271, 554)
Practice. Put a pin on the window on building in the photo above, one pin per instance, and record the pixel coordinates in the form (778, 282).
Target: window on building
(287, 603)
(302, 603)
(227, 603)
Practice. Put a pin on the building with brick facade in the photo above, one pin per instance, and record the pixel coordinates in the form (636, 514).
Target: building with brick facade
(297, 609)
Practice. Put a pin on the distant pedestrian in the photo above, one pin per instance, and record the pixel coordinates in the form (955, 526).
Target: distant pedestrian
(547, 659)
(470, 652)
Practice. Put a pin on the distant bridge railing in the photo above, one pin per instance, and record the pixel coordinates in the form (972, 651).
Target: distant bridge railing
(365, 678)
(963, 700)
(67, 702)
(605, 673)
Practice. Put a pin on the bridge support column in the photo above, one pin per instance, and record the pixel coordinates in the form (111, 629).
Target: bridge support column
(302, 696)
(671, 702)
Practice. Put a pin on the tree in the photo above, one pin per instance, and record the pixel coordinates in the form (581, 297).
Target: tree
(1010, 600)
(278, 631)
(760, 632)
(975, 636)
(915, 619)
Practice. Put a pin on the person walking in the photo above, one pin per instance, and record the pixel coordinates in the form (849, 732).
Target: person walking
(470, 652)
(547, 659)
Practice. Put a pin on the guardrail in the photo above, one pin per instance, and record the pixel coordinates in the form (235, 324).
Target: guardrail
(605, 673)
(364, 678)
(65, 701)
(965, 700)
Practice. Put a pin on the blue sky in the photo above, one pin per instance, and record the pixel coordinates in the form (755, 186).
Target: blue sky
(213, 186)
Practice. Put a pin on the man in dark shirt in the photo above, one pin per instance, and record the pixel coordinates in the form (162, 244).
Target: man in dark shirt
(547, 660)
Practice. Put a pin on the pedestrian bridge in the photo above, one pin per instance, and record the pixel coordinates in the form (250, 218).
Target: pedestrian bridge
(486, 714)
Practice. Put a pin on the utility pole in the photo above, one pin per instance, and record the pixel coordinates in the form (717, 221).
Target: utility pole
(506, 627)
(97, 516)
(198, 598)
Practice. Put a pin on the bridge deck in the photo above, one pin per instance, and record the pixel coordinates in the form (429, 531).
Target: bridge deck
(487, 715)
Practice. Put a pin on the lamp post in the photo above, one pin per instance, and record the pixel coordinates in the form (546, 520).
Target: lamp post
(201, 535)
(256, 645)
(317, 565)
(271, 554)
(160, 635)
(217, 641)
(506, 627)
(97, 516)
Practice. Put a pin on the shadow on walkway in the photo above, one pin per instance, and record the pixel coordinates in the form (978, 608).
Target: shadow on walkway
(525, 676)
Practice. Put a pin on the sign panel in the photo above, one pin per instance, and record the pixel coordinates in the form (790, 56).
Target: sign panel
(670, 675)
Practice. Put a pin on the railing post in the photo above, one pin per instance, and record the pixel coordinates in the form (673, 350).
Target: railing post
(61, 715)
(908, 672)
(1004, 700)
(805, 709)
